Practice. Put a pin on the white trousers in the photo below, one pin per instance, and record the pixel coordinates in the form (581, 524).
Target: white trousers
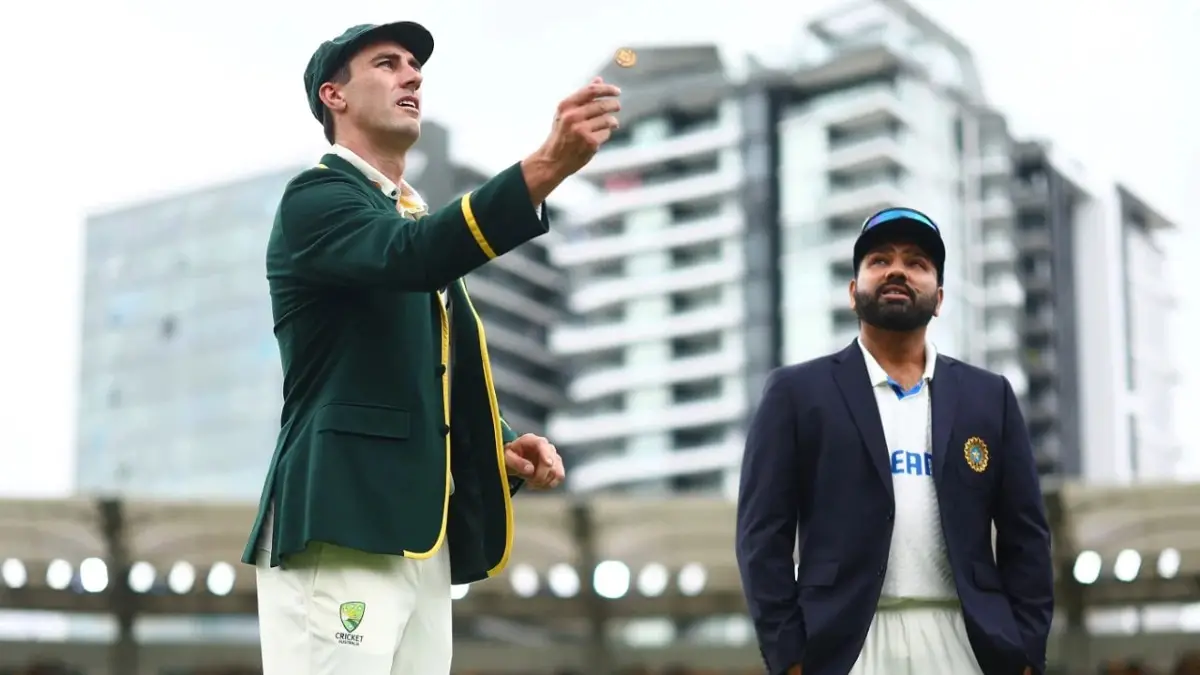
(335, 611)
(917, 641)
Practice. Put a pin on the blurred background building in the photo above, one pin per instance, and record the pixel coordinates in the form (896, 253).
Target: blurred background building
(181, 384)
(720, 248)
(637, 335)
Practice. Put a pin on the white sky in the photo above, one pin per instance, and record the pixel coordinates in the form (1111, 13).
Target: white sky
(112, 101)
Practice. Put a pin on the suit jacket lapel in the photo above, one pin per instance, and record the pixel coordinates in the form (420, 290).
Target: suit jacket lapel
(850, 373)
(944, 400)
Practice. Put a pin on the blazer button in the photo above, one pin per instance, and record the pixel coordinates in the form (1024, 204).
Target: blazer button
(445, 429)
(881, 571)
(891, 516)
(440, 370)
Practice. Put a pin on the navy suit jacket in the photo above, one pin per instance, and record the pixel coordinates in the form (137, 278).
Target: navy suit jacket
(817, 468)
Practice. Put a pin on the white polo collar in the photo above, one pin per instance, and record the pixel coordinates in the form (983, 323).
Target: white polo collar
(408, 199)
(880, 377)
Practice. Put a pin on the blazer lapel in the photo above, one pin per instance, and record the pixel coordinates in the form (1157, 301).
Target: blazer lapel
(945, 397)
(850, 373)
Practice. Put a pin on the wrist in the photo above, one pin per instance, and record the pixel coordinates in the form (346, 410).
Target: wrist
(542, 175)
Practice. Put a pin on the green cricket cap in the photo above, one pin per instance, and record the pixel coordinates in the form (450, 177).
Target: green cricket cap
(334, 54)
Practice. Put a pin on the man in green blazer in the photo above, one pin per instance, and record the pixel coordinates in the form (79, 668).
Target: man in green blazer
(394, 471)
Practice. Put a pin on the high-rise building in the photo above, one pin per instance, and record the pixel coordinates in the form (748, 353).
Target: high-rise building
(720, 246)
(181, 384)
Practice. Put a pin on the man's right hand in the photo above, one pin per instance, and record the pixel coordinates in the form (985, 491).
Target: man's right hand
(584, 121)
(794, 670)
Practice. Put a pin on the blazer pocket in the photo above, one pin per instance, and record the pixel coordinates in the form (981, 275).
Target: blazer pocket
(372, 421)
(817, 574)
(987, 577)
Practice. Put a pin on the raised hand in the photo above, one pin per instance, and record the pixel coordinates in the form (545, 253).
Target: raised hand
(584, 121)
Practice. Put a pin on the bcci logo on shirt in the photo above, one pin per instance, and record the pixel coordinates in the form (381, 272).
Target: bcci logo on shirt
(976, 453)
(351, 614)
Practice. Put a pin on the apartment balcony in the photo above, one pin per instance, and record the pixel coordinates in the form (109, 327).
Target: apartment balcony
(501, 338)
(568, 430)
(1035, 240)
(1002, 338)
(1030, 193)
(1039, 281)
(1038, 324)
(996, 210)
(866, 154)
(1004, 290)
(571, 340)
(1043, 409)
(1040, 362)
(858, 203)
(869, 109)
(720, 183)
(631, 158)
(993, 162)
(599, 474)
(498, 295)
(523, 386)
(530, 270)
(999, 250)
(607, 382)
(599, 249)
(602, 294)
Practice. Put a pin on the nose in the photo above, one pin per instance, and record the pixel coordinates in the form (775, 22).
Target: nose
(411, 78)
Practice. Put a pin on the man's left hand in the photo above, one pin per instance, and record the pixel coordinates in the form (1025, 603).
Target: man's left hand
(536, 460)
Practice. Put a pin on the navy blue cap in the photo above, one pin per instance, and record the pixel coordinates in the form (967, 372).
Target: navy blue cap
(902, 224)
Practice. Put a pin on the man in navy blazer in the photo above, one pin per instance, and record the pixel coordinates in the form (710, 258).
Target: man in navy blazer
(888, 465)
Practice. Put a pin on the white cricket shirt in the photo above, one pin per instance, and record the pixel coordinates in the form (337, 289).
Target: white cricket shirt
(918, 567)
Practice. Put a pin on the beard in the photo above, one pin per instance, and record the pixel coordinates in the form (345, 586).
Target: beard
(900, 317)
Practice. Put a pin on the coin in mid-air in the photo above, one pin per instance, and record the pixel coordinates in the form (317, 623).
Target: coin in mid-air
(625, 57)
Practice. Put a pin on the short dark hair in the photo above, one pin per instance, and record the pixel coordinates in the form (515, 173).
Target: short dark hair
(340, 76)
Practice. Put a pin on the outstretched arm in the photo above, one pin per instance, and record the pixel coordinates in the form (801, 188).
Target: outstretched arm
(337, 236)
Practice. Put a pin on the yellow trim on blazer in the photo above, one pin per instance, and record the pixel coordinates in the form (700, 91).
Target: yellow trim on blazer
(469, 216)
(497, 428)
(445, 331)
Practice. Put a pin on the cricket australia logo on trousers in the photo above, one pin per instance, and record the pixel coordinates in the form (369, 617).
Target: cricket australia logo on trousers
(351, 614)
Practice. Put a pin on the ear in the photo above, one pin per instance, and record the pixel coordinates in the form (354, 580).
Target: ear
(331, 96)
(937, 309)
(853, 288)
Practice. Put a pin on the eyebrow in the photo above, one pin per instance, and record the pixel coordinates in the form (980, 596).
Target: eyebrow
(398, 56)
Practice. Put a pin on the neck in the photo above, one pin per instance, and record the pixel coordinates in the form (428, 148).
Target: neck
(388, 159)
(894, 348)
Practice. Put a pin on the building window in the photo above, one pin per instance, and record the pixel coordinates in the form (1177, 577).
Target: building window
(696, 390)
(601, 406)
(696, 345)
(698, 437)
(690, 301)
(697, 254)
(684, 212)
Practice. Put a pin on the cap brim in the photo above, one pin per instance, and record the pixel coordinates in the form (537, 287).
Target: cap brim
(408, 34)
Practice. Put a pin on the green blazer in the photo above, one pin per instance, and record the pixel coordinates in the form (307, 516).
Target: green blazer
(367, 443)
